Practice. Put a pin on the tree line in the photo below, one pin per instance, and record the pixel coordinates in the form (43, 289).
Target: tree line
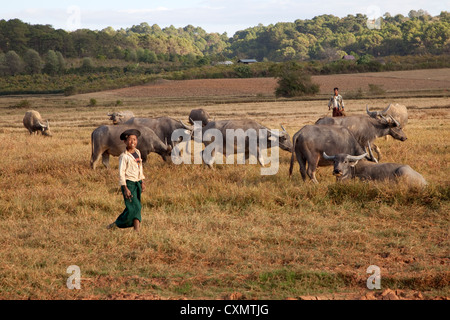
(31, 49)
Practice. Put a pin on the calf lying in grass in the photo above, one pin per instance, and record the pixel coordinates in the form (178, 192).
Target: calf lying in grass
(347, 166)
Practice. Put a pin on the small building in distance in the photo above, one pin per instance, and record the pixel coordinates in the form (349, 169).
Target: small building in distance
(348, 57)
(226, 63)
(247, 61)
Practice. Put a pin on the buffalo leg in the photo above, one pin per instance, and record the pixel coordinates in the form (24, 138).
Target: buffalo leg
(105, 159)
(302, 162)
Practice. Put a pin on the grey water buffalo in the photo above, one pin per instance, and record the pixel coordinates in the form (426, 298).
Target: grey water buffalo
(34, 124)
(311, 141)
(105, 141)
(199, 115)
(367, 129)
(347, 167)
(250, 129)
(120, 117)
(163, 127)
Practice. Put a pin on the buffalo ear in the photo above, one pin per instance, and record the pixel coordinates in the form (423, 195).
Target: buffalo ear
(353, 163)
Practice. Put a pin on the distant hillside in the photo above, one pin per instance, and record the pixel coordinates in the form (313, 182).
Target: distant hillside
(323, 37)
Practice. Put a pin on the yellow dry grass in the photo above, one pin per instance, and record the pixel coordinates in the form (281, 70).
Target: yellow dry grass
(209, 233)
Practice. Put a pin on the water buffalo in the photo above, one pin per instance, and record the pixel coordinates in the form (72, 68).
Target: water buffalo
(105, 141)
(199, 115)
(162, 126)
(34, 123)
(311, 141)
(120, 117)
(347, 166)
(397, 111)
(367, 129)
(244, 126)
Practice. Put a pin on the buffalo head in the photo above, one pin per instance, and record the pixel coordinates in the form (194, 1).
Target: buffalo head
(395, 128)
(343, 164)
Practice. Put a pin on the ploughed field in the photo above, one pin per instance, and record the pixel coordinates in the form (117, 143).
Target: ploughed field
(228, 233)
(413, 82)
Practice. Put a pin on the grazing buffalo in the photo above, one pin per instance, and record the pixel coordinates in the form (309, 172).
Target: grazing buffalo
(397, 111)
(247, 127)
(347, 166)
(311, 141)
(120, 117)
(162, 126)
(35, 125)
(367, 129)
(199, 115)
(105, 141)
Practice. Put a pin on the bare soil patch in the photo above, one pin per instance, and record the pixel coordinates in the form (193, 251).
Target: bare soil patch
(404, 81)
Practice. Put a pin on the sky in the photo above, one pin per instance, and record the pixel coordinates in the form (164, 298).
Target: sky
(212, 15)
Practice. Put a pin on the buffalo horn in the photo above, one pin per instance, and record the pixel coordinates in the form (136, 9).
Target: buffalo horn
(283, 128)
(384, 112)
(397, 124)
(327, 157)
(188, 127)
(356, 158)
(43, 125)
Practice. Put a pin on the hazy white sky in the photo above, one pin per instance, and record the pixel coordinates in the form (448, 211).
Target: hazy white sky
(212, 15)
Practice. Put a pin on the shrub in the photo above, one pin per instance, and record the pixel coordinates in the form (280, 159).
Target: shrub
(70, 91)
(92, 102)
(294, 81)
(243, 71)
(376, 89)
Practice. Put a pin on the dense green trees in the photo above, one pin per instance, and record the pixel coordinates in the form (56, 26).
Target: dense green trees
(31, 49)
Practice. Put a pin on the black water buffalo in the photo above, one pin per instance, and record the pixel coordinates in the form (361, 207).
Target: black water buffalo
(105, 141)
(347, 166)
(34, 124)
(199, 115)
(311, 141)
(120, 117)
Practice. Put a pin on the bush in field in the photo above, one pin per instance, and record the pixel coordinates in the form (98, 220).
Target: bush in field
(376, 89)
(92, 102)
(22, 104)
(294, 81)
(70, 91)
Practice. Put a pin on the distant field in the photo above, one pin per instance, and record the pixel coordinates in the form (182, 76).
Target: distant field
(227, 233)
(415, 81)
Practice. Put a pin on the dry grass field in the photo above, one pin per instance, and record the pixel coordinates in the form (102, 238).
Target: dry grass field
(227, 233)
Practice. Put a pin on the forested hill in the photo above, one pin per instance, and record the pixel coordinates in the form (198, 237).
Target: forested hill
(323, 37)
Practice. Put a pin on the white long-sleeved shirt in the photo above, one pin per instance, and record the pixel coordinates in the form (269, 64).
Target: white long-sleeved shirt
(336, 102)
(129, 168)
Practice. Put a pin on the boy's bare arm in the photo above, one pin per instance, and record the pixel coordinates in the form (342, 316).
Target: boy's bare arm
(126, 192)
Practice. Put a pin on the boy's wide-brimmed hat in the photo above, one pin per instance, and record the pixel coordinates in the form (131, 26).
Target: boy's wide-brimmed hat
(130, 132)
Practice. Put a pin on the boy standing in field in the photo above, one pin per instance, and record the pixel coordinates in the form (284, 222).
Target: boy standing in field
(337, 103)
(131, 180)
